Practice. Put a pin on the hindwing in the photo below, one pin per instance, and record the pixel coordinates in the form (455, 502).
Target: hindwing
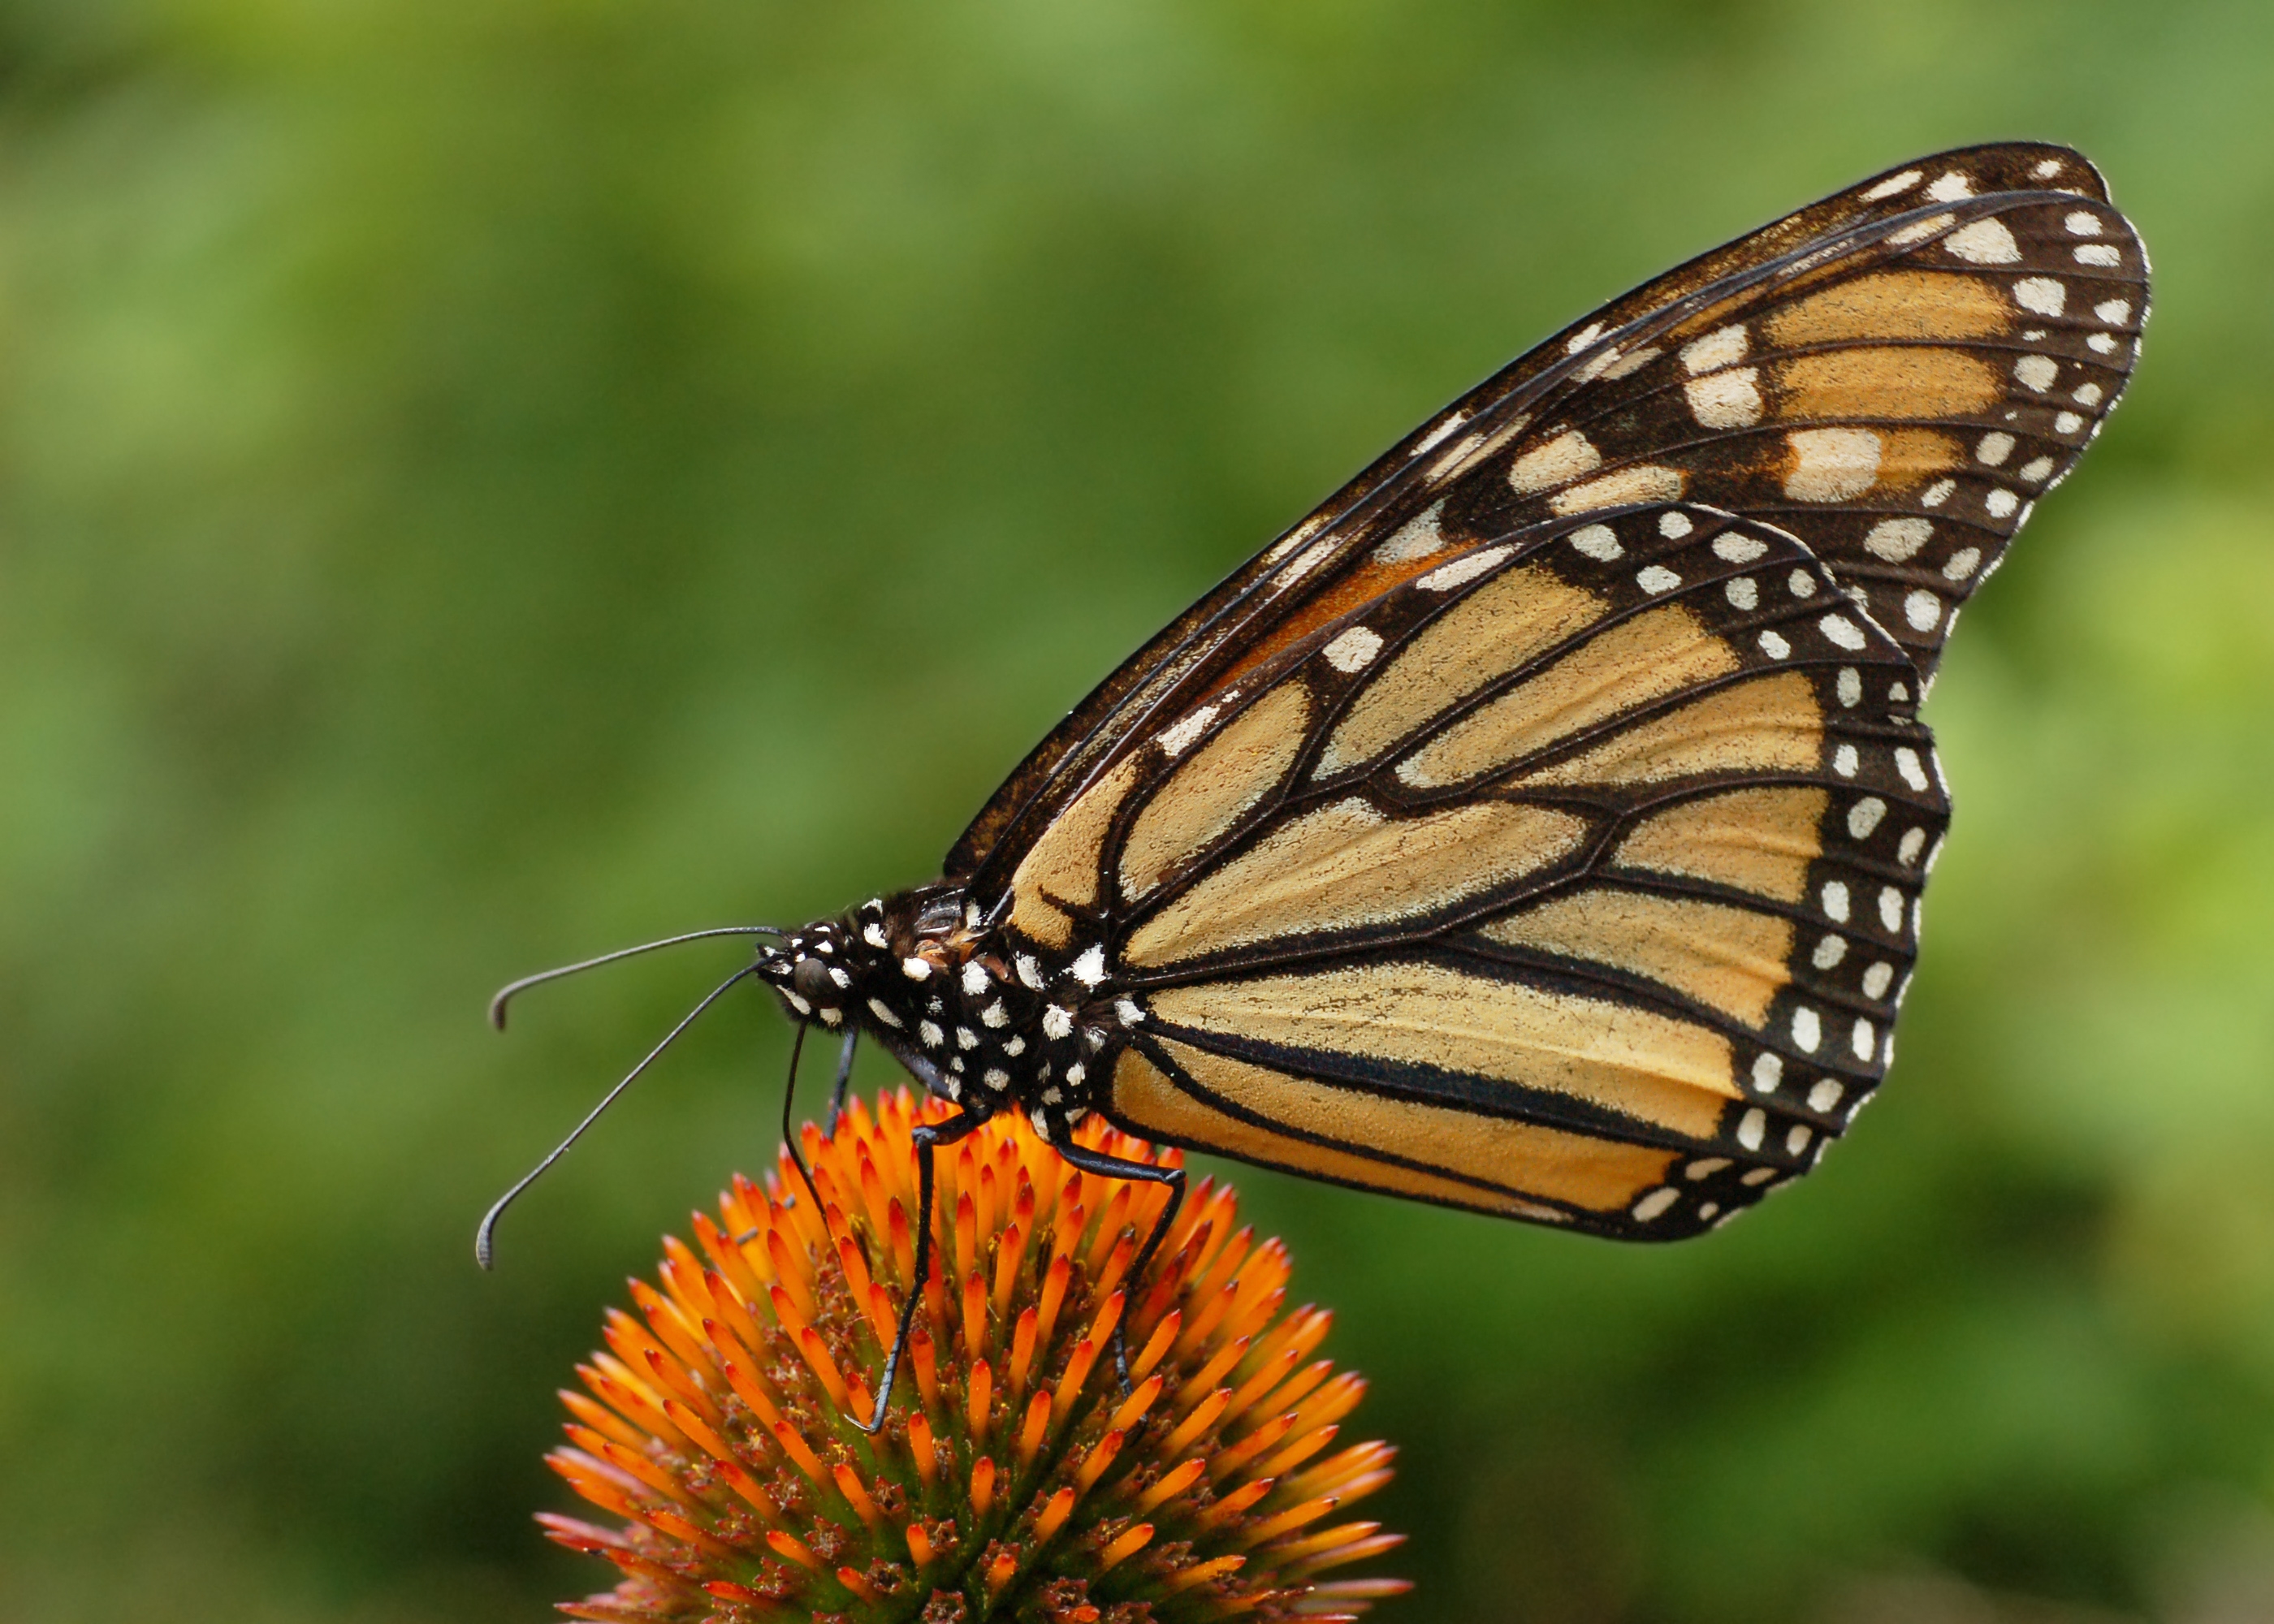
(1574, 877)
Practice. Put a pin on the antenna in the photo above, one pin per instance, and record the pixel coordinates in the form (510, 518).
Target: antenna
(508, 991)
(483, 1251)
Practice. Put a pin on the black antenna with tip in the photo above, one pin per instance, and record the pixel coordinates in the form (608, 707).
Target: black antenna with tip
(484, 1234)
(511, 988)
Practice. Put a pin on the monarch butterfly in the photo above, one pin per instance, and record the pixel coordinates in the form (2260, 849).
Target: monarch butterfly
(1539, 827)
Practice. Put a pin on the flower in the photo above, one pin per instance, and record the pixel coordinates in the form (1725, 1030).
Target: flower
(1015, 1476)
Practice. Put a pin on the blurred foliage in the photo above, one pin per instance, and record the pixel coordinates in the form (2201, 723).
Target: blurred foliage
(483, 481)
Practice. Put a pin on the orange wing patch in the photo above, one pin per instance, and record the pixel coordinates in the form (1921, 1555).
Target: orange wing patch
(1349, 865)
(1144, 1098)
(1601, 1175)
(1758, 840)
(1652, 1068)
(1728, 959)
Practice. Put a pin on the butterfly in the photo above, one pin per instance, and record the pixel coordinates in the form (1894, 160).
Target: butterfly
(1539, 827)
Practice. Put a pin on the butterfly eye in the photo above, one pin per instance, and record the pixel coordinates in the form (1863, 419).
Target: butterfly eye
(810, 978)
(939, 919)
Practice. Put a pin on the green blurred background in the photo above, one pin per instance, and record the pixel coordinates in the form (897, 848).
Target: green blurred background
(484, 481)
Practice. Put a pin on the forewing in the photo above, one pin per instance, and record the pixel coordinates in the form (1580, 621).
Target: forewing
(1575, 878)
(1892, 374)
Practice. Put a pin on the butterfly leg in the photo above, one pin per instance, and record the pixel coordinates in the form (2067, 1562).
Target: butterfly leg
(928, 1137)
(789, 1099)
(1115, 1167)
(844, 1075)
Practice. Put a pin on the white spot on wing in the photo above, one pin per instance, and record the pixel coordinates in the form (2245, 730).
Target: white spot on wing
(1726, 400)
(1768, 1071)
(1445, 577)
(1648, 482)
(1775, 646)
(2001, 504)
(1951, 187)
(1923, 610)
(1864, 817)
(1897, 541)
(1354, 649)
(1089, 966)
(2037, 371)
(1436, 436)
(1417, 537)
(1562, 459)
(1893, 185)
(1838, 629)
(1656, 1203)
(1985, 242)
(1831, 465)
(1994, 449)
(1718, 348)
(1732, 548)
(1742, 593)
(2102, 254)
(1658, 578)
(2082, 224)
(1598, 542)
(2041, 294)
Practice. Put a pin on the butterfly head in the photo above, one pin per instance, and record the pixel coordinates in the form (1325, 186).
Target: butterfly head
(810, 971)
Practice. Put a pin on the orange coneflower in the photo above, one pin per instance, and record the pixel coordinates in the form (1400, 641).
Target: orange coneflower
(1015, 1476)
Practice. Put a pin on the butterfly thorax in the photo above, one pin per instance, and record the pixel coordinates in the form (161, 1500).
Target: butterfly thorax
(979, 1023)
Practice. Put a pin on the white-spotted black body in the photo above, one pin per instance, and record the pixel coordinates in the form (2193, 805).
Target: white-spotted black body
(983, 1023)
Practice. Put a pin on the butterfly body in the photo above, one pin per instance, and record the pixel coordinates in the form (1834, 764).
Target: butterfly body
(980, 1018)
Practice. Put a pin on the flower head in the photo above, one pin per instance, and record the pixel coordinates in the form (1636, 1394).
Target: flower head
(1015, 1476)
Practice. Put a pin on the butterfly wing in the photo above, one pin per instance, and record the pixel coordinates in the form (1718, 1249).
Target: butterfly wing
(1890, 374)
(1574, 878)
